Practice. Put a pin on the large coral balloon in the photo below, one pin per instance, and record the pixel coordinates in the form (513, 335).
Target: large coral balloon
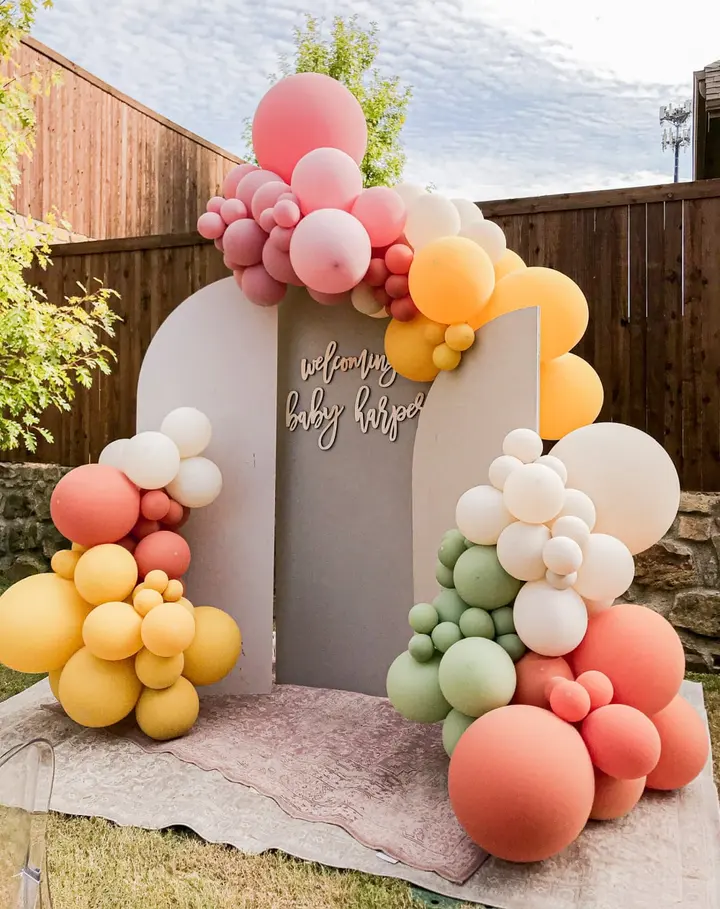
(95, 503)
(622, 742)
(685, 746)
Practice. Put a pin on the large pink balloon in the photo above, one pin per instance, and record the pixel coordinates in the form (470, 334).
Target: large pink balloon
(210, 225)
(330, 251)
(303, 112)
(251, 183)
(243, 242)
(382, 213)
(267, 196)
(260, 288)
(235, 176)
(278, 265)
(329, 299)
(326, 178)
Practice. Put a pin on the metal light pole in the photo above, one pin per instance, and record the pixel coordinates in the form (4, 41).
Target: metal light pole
(676, 134)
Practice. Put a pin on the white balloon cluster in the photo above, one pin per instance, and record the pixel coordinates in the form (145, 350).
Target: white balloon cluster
(171, 459)
(543, 532)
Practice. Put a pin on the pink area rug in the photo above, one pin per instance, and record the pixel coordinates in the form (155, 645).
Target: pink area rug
(341, 758)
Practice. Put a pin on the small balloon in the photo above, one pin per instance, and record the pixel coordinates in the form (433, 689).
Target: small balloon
(266, 197)
(382, 213)
(398, 259)
(210, 225)
(488, 236)
(233, 210)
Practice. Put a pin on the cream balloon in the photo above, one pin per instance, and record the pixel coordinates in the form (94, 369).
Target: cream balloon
(382, 313)
(197, 484)
(363, 300)
(607, 570)
(489, 236)
(520, 550)
(429, 218)
(468, 211)
(554, 464)
(630, 478)
(573, 527)
(481, 515)
(579, 505)
(409, 192)
(533, 494)
(114, 454)
(596, 606)
(500, 470)
(562, 555)
(151, 460)
(560, 581)
(548, 621)
(189, 429)
(523, 444)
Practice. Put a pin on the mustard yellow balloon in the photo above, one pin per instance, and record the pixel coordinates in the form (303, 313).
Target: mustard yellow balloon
(156, 580)
(105, 574)
(158, 672)
(186, 604)
(509, 263)
(445, 358)
(41, 621)
(63, 563)
(459, 337)
(112, 631)
(409, 347)
(145, 600)
(571, 396)
(168, 629)
(98, 693)
(169, 713)
(76, 547)
(173, 591)
(451, 280)
(54, 680)
(215, 648)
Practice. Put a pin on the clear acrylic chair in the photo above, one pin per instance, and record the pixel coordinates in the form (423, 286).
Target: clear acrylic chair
(26, 781)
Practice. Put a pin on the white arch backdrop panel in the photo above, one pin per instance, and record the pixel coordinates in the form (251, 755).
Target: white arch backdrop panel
(218, 352)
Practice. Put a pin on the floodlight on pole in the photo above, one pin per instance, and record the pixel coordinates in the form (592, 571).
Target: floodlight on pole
(675, 134)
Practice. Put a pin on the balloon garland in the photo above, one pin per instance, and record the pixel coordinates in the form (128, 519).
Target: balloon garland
(434, 266)
(557, 705)
(111, 623)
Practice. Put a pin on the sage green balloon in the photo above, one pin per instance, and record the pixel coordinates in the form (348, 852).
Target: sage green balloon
(477, 675)
(468, 543)
(423, 618)
(414, 690)
(421, 647)
(481, 580)
(445, 635)
(454, 724)
(449, 606)
(477, 623)
(503, 620)
(443, 575)
(512, 645)
(451, 548)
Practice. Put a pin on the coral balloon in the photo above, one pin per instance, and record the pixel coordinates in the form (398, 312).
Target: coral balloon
(112, 631)
(243, 242)
(98, 693)
(399, 258)
(382, 213)
(451, 280)
(571, 396)
(569, 701)
(215, 649)
(105, 574)
(533, 674)
(215, 204)
(303, 112)
(598, 686)
(404, 310)
(328, 299)
(165, 550)
(397, 286)
(326, 178)
(377, 273)
(639, 651)
(158, 672)
(286, 214)
(509, 263)
(266, 196)
(210, 225)
(168, 630)
(521, 783)
(330, 251)
(622, 741)
(614, 798)
(155, 505)
(168, 713)
(230, 183)
(685, 746)
(93, 504)
(261, 288)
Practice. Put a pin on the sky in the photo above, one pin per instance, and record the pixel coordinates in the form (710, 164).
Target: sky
(510, 97)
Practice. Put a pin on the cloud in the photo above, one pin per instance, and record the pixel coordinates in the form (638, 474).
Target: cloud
(509, 99)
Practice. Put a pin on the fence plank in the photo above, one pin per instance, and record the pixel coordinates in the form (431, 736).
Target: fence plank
(694, 409)
(709, 294)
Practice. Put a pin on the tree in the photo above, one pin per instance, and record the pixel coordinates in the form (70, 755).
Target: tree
(349, 55)
(47, 348)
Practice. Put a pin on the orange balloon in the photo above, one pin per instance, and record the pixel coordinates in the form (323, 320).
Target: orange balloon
(521, 783)
(639, 651)
(569, 701)
(598, 686)
(571, 396)
(685, 746)
(409, 347)
(510, 262)
(533, 674)
(615, 798)
(451, 280)
(622, 741)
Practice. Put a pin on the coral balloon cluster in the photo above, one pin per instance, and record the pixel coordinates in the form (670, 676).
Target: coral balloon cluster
(111, 623)
(558, 704)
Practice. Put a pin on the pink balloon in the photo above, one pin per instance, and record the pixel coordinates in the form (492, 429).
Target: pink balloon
(244, 241)
(326, 178)
(281, 237)
(397, 286)
(267, 196)
(382, 296)
(377, 273)
(291, 197)
(210, 225)
(215, 204)
(382, 213)
(303, 112)
(238, 274)
(219, 244)
(329, 299)
(235, 176)
(403, 309)
(330, 251)
(260, 288)
(251, 183)
(278, 265)
(267, 220)
(287, 213)
(233, 210)
(230, 265)
(399, 258)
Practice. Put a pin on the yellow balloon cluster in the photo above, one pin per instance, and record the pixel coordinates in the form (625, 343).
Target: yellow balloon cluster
(111, 645)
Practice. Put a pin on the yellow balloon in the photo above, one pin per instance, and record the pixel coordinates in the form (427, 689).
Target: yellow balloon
(451, 280)
(215, 649)
(173, 591)
(112, 631)
(98, 693)
(509, 263)
(63, 563)
(571, 396)
(105, 574)
(158, 672)
(156, 580)
(41, 620)
(409, 347)
(186, 604)
(445, 358)
(168, 629)
(145, 600)
(170, 713)
(459, 336)
(54, 679)
(76, 547)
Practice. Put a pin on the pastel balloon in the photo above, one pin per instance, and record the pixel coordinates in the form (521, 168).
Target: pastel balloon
(622, 741)
(551, 622)
(571, 396)
(304, 112)
(251, 183)
(489, 236)
(234, 177)
(210, 225)
(569, 701)
(500, 470)
(607, 568)
(363, 300)
(469, 212)
(614, 798)
(534, 674)
(520, 550)
(382, 213)
(326, 178)
(562, 555)
(267, 220)
(286, 214)
(685, 746)
(523, 444)
(266, 196)
(113, 454)
(155, 505)
(431, 217)
(233, 210)
(281, 237)
(215, 204)
(399, 258)
(278, 265)
(95, 503)
(409, 350)
(244, 241)
(533, 494)
(409, 192)
(260, 287)
(578, 505)
(152, 460)
(330, 251)
(481, 515)
(509, 263)
(165, 551)
(554, 464)
(328, 299)
(413, 689)
(191, 430)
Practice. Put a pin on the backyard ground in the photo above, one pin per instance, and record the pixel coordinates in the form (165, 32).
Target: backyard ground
(95, 864)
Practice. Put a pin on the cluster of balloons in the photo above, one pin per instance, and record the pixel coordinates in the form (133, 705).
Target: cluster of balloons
(558, 705)
(111, 623)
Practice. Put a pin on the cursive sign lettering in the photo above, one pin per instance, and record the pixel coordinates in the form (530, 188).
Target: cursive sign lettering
(331, 363)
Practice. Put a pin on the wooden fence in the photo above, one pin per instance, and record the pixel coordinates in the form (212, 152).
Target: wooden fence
(647, 259)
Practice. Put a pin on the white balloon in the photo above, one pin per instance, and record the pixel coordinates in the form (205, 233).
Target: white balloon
(596, 606)
(198, 483)
(523, 444)
(468, 211)
(554, 464)
(151, 460)
(571, 526)
(551, 622)
(578, 504)
(520, 550)
(607, 570)
(189, 429)
(489, 236)
(560, 581)
(429, 218)
(500, 470)
(481, 516)
(409, 192)
(382, 313)
(533, 494)
(114, 454)
(562, 555)
(630, 478)
(363, 300)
